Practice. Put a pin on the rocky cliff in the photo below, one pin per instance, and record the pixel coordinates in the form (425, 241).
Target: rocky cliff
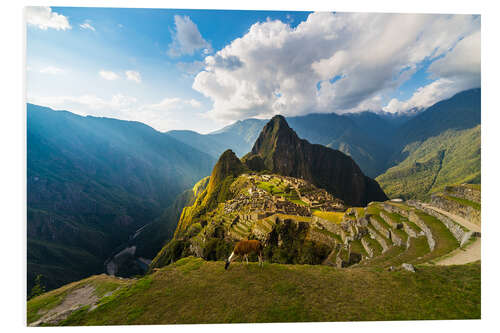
(279, 150)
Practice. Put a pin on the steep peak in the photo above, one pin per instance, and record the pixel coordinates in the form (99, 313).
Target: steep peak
(227, 165)
(278, 123)
(276, 133)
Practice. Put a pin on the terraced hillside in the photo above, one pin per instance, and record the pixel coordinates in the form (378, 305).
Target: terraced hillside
(369, 261)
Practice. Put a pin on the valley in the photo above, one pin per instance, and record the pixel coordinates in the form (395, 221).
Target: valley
(312, 207)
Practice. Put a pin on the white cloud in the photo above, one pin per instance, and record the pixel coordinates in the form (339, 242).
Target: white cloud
(86, 25)
(169, 113)
(457, 70)
(186, 39)
(51, 70)
(87, 104)
(44, 18)
(171, 104)
(108, 75)
(463, 62)
(133, 76)
(339, 62)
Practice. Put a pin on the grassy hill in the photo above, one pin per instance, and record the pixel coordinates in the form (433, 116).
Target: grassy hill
(196, 291)
(453, 157)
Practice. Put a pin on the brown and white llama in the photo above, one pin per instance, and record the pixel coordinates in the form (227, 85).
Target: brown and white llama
(245, 247)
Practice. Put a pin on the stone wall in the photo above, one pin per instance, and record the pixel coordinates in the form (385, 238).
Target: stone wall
(395, 209)
(413, 217)
(464, 192)
(456, 208)
(380, 228)
(325, 224)
(460, 233)
(390, 221)
(367, 247)
(410, 232)
(378, 238)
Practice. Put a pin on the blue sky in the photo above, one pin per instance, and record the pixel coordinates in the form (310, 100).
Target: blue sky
(203, 69)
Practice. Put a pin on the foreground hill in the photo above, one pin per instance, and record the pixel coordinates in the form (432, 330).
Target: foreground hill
(92, 182)
(453, 157)
(196, 291)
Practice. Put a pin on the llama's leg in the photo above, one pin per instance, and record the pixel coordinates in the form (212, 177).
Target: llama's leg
(246, 258)
(229, 260)
(261, 261)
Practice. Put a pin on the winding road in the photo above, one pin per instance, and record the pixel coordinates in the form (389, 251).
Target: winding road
(460, 256)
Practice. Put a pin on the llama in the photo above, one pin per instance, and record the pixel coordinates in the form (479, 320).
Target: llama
(245, 247)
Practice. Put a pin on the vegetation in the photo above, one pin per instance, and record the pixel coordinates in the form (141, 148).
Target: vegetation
(92, 182)
(38, 288)
(196, 291)
(449, 158)
(464, 202)
(335, 217)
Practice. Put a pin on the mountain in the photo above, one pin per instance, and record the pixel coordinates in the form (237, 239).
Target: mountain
(279, 150)
(461, 111)
(355, 134)
(238, 137)
(92, 182)
(453, 157)
(439, 146)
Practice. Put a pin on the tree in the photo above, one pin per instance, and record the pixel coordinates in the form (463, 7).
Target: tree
(38, 288)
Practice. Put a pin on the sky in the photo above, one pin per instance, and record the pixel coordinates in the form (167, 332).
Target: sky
(203, 69)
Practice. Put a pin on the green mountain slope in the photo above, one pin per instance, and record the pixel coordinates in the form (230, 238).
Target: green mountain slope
(92, 182)
(452, 157)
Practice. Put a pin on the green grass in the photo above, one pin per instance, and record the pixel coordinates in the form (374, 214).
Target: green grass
(453, 157)
(329, 234)
(374, 245)
(298, 202)
(37, 306)
(464, 202)
(289, 293)
(335, 217)
(445, 241)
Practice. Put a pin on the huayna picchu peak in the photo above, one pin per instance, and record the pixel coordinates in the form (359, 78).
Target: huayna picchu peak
(279, 150)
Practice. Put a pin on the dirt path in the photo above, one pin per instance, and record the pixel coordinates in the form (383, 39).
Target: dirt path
(463, 256)
(460, 220)
(74, 300)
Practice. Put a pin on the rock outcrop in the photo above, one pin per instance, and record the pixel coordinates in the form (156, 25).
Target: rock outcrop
(279, 150)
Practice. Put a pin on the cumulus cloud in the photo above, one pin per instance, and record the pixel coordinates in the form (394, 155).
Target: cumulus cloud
(87, 26)
(44, 18)
(340, 62)
(133, 76)
(186, 39)
(108, 75)
(463, 62)
(457, 70)
(51, 70)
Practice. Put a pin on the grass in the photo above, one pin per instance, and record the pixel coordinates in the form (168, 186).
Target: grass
(206, 293)
(464, 202)
(445, 241)
(452, 157)
(38, 306)
(335, 217)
